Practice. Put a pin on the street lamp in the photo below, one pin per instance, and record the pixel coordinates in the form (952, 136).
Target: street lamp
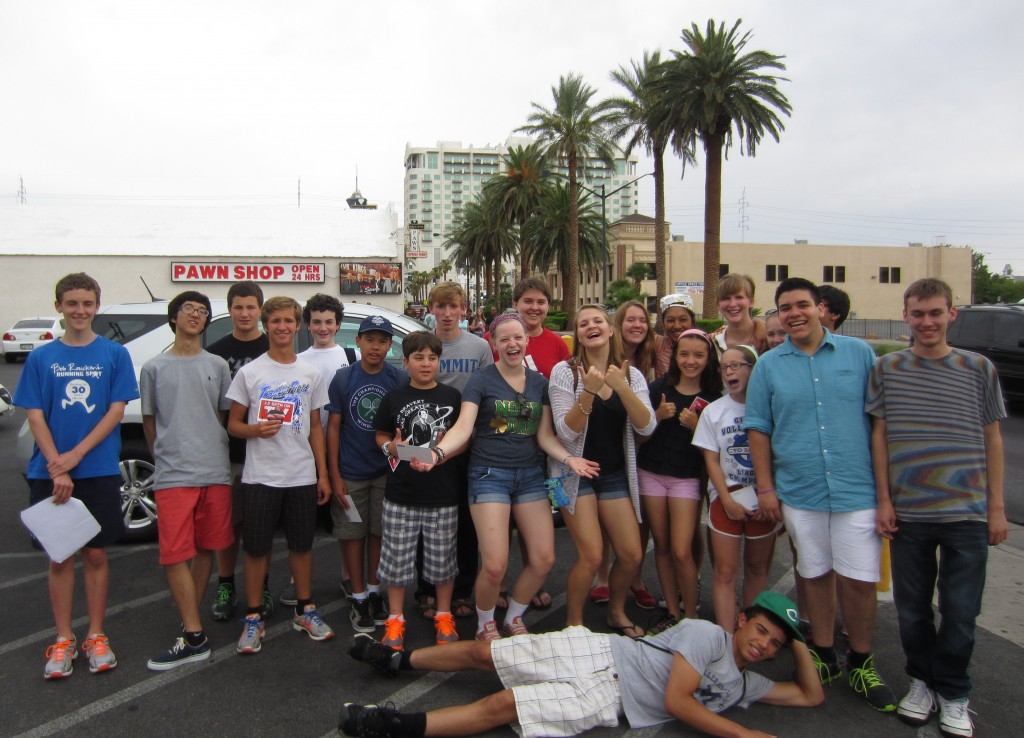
(604, 225)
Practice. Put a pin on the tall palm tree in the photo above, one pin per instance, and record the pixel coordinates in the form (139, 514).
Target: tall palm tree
(547, 234)
(708, 91)
(572, 130)
(513, 196)
(481, 241)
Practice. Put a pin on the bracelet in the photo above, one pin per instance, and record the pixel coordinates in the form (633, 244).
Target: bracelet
(440, 453)
(766, 490)
(589, 392)
(384, 448)
(584, 410)
(567, 457)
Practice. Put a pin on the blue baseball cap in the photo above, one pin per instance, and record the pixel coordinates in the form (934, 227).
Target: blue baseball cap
(376, 323)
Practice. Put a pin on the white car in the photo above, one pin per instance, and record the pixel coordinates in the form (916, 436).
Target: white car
(142, 329)
(6, 403)
(30, 333)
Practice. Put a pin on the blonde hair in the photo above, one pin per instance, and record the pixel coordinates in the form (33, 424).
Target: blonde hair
(446, 293)
(579, 358)
(732, 284)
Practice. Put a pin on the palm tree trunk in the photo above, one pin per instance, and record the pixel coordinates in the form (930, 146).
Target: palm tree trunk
(572, 285)
(524, 267)
(712, 221)
(660, 256)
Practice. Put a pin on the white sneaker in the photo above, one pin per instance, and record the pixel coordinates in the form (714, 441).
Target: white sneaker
(918, 704)
(954, 717)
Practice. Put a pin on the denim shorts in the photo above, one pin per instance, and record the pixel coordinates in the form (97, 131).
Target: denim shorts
(612, 486)
(506, 485)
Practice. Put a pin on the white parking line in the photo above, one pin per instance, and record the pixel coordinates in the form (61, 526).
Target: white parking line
(111, 556)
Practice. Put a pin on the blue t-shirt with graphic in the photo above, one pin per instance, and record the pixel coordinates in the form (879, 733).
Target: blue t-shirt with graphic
(74, 386)
(356, 396)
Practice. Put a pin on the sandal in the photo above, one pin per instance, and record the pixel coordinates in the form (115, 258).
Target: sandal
(427, 606)
(629, 631)
(541, 600)
(503, 600)
(463, 607)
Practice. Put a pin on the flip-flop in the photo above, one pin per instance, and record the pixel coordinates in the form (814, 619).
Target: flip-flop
(427, 606)
(541, 600)
(629, 631)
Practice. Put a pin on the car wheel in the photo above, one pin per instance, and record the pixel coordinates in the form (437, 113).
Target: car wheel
(10, 358)
(138, 504)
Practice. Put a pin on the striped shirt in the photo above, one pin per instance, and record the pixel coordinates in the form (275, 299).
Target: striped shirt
(936, 411)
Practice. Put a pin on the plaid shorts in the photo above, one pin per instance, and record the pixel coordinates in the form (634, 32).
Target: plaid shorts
(263, 508)
(564, 682)
(402, 526)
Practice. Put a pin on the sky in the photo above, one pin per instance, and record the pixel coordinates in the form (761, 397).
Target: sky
(901, 131)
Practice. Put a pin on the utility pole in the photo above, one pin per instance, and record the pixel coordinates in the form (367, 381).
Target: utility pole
(300, 193)
(743, 216)
(21, 191)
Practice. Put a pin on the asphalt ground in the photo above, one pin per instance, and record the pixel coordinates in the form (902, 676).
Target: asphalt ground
(296, 686)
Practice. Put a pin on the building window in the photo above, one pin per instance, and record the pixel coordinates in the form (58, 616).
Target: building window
(833, 274)
(776, 272)
(889, 275)
(432, 160)
(723, 269)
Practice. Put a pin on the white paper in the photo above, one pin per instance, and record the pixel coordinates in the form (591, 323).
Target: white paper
(60, 529)
(746, 496)
(408, 453)
(352, 513)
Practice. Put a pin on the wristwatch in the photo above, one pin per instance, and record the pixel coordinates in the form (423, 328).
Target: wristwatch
(384, 448)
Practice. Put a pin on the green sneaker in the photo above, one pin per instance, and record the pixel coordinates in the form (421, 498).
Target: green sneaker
(866, 682)
(267, 604)
(828, 671)
(224, 604)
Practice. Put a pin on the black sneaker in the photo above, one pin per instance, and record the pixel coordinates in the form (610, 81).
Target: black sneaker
(866, 682)
(370, 721)
(359, 614)
(377, 655)
(267, 604)
(378, 608)
(224, 603)
(179, 654)
(828, 671)
(664, 624)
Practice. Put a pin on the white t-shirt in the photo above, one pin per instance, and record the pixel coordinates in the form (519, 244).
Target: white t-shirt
(720, 428)
(328, 361)
(267, 387)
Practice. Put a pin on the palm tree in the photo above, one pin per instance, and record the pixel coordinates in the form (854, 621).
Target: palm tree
(572, 130)
(547, 235)
(513, 196)
(707, 91)
(481, 241)
(636, 120)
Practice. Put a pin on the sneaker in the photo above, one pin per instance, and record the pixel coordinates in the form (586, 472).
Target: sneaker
(954, 717)
(643, 598)
(252, 635)
(178, 654)
(867, 683)
(288, 596)
(310, 622)
(515, 627)
(917, 705)
(489, 632)
(359, 614)
(224, 605)
(664, 624)
(369, 721)
(378, 608)
(101, 657)
(444, 627)
(828, 671)
(61, 655)
(267, 604)
(377, 655)
(394, 634)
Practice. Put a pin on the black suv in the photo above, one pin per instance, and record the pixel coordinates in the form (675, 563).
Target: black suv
(996, 331)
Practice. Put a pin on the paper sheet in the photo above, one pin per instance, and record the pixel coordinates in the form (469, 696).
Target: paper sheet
(60, 529)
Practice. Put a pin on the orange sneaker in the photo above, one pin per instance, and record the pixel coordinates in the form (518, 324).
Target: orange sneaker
(394, 633)
(61, 659)
(444, 625)
(101, 657)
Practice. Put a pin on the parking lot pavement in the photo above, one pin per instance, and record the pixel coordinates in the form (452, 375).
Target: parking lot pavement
(296, 686)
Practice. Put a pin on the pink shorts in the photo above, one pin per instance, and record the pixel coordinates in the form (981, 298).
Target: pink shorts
(192, 518)
(661, 485)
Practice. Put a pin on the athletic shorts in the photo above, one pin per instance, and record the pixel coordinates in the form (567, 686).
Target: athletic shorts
(264, 506)
(101, 497)
(844, 541)
(564, 682)
(614, 486)
(403, 525)
(720, 522)
(662, 485)
(368, 497)
(193, 518)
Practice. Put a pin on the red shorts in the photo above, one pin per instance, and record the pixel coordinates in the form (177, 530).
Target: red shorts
(719, 522)
(192, 518)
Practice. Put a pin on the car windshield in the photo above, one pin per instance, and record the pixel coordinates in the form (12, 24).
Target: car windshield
(123, 328)
(37, 323)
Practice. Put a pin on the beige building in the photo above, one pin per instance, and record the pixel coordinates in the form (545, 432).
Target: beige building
(875, 277)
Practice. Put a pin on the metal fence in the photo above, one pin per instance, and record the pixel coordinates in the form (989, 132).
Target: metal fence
(884, 329)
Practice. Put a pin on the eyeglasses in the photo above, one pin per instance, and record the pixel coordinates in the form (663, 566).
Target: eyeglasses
(734, 366)
(525, 408)
(770, 312)
(193, 310)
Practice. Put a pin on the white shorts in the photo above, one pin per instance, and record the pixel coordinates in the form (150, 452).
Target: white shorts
(564, 682)
(844, 541)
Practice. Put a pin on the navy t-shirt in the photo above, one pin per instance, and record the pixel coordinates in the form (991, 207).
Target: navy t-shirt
(506, 422)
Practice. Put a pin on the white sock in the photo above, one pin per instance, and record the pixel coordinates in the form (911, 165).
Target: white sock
(515, 610)
(359, 596)
(373, 588)
(483, 617)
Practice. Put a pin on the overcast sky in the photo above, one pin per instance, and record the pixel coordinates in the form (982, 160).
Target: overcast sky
(903, 127)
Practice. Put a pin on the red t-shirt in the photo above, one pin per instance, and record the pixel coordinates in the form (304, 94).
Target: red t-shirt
(542, 352)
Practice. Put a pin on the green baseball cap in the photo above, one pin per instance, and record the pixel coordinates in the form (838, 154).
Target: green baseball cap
(783, 608)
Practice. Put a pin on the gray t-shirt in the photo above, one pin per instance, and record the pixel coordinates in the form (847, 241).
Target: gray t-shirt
(186, 395)
(506, 422)
(643, 671)
(460, 358)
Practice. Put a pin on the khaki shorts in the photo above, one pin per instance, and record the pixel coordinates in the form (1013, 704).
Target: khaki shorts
(368, 497)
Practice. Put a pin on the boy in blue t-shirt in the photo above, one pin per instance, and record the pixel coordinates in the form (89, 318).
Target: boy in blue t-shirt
(356, 467)
(74, 391)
